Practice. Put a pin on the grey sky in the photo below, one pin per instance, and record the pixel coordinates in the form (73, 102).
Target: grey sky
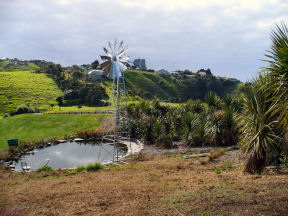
(229, 37)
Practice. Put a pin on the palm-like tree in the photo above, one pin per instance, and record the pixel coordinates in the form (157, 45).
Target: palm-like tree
(259, 127)
(276, 74)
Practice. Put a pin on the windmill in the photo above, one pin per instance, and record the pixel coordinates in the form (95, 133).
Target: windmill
(116, 127)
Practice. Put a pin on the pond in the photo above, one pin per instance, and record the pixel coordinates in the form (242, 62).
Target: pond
(67, 155)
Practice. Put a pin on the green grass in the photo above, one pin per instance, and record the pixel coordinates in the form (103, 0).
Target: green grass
(22, 87)
(37, 127)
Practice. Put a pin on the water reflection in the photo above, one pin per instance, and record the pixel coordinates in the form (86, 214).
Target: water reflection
(67, 155)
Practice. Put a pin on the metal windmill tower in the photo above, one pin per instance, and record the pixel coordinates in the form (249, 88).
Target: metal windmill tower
(116, 127)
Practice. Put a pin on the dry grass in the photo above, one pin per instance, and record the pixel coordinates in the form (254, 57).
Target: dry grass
(3, 154)
(215, 154)
(150, 185)
(96, 133)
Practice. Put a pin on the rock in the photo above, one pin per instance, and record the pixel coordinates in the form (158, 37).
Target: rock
(78, 140)
(60, 141)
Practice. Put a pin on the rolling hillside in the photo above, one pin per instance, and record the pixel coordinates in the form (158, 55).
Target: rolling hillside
(22, 87)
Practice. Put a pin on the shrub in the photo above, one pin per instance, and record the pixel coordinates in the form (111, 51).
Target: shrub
(6, 115)
(165, 141)
(23, 109)
(80, 168)
(94, 167)
(260, 132)
(45, 169)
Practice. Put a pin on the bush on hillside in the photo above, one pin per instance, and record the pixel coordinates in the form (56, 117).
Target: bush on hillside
(22, 110)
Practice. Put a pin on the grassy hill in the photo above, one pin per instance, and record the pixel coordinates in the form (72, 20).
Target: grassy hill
(21, 87)
(36, 127)
(149, 85)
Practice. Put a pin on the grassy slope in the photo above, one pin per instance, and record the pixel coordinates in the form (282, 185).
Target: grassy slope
(34, 127)
(21, 87)
(148, 84)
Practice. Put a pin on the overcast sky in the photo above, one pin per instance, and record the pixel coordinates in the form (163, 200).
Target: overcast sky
(228, 36)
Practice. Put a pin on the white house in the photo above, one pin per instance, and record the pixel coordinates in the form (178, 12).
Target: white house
(202, 73)
(174, 73)
(161, 71)
(94, 74)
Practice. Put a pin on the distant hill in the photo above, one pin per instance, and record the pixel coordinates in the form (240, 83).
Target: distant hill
(22, 87)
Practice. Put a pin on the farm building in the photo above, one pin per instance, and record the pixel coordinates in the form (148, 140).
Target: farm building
(94, 74)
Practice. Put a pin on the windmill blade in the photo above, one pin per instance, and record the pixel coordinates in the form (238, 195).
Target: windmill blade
(124, 58)
(106, 51)
(107, 69)
(111, 47)
(122, 52)
(120, 45)
(105, 58)
(115, 45)
(105, 64)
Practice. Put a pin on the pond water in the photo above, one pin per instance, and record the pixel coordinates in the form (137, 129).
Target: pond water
(67, 155)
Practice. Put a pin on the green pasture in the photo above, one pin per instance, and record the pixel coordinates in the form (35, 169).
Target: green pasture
(76, 109)
(36, 127)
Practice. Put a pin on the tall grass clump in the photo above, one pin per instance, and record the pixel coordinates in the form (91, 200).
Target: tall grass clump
(92, 167)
